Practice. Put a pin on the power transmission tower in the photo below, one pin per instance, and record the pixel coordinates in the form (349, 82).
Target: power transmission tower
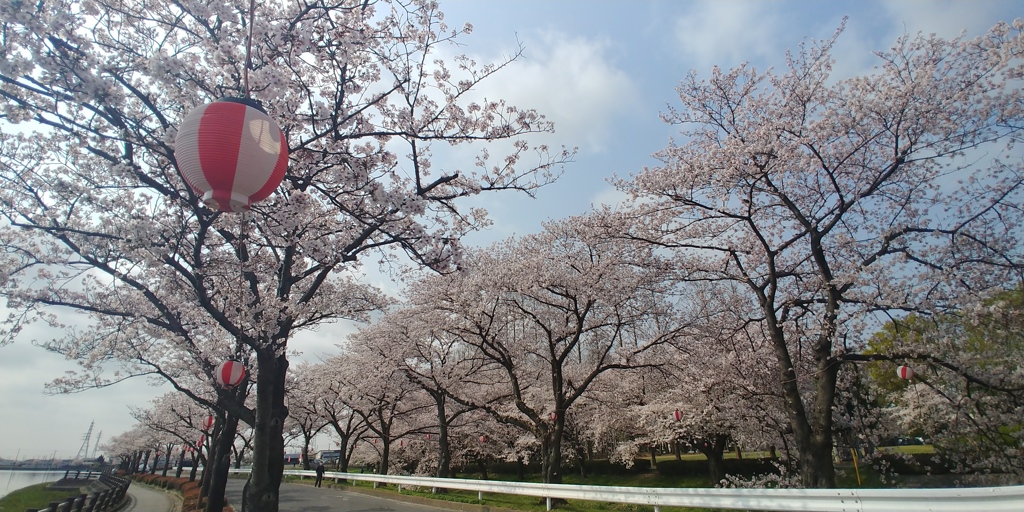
(83, 452)
(97, 446)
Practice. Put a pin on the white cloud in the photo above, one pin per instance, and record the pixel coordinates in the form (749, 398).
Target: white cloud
(573, 82)
(609, 197)
(729, 33)
(945, 18)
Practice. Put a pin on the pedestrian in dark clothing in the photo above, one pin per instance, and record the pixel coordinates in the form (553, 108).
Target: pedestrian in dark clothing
(319, 473)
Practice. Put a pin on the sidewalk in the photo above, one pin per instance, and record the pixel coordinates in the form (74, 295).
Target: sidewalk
(144, 498)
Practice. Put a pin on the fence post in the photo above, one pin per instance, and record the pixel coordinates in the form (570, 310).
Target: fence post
(549, 503)
(102, 502)
(79, 503)
(479, 495)
(92, 502)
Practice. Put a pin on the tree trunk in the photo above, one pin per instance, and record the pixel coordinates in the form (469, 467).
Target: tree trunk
(714, 450)
(385, 451)
(221, 462)
(305, 452)
(268, 441)
(812, 430)
(482, 464)
(444, 455)
(181, 462)
(553, 475)
(653, 454)
(167, 461)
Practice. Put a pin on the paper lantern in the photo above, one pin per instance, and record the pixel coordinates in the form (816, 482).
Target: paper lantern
(208, 422)
(230, 374)
(232, 153)
(905, 372)
(553, 416)
(677, 415)
(483, 439)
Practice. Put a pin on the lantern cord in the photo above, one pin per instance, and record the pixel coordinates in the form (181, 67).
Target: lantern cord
(248, 48)
(241, 279)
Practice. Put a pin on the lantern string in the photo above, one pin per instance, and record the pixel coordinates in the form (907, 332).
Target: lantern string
(248, 47)
(241, 279)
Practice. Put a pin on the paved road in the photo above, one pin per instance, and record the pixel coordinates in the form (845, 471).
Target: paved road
(306, 498)
(151, 499)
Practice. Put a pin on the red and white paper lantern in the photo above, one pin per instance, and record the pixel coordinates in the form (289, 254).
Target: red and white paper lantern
(483, 439)
(232, 153)
(208, 422)
(230, 374)
(677, 415)
(553, 416)
(905, 372)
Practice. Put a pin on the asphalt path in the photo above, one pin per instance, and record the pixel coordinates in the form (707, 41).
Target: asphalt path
(306, 498)
(144, 498)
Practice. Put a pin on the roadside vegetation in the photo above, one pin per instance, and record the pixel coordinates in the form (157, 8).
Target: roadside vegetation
(33, 496)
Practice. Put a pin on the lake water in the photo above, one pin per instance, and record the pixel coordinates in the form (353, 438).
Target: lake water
(14, 480)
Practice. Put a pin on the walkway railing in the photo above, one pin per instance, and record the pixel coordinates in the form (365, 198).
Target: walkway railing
(107, 500)
(988, 499)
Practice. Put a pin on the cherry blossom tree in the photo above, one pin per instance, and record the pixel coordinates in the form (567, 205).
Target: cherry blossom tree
(347, 425)
(547, 316)
(834, 201)
(99, 220)
(967, 392)
(306, 417)
(373, 387)
(431, 360)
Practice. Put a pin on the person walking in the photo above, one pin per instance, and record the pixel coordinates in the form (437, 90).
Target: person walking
(319, 473)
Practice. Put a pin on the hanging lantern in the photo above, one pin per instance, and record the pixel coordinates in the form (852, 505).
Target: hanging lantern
(232, 153)
(483, 439)
(905, 372)
(208, 422)
(553, 416)
(428, 437)
(677, 415)
(230, 374)
(401, 443)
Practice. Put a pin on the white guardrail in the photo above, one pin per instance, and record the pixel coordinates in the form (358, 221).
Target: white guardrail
(968, 499)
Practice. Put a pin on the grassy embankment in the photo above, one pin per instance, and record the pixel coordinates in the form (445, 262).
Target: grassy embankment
(34, 496)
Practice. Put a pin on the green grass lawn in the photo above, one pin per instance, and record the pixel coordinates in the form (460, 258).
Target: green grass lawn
(33, 496)
(909, 449)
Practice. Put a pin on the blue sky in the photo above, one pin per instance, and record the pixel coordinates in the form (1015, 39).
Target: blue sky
(602, 70)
